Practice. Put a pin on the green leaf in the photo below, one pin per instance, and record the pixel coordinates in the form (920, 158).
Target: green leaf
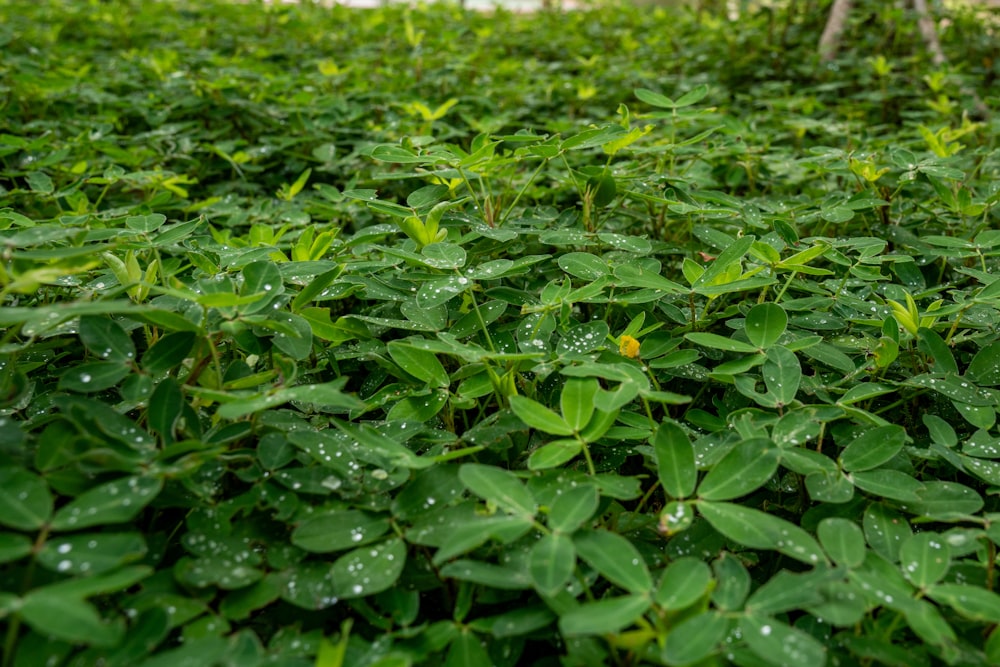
(683, 582)
(69, 619)
(577, 401)
(926, 621)
(168, 352)
(885, 530)
(695, 638)
(715, 341)
(786, 591)
(368, 570)
(338, 530)
(486, 574)
(732, 582)
(945, 501)
(933, 345)
(94, 376)
(924, 559)
(554, 454)
(782, 374)
(779, 644)
(675, 464)
(972, 602)
(498, 486)
(615, 557)
(843, 541)
(466, 650)
(873, 448)
(106, 339)
(747, 467)
(551, 563)
(328, 395)
(984, 369)
(395, 453)
(583, 338)
(419, 363)
(91, 553)
(759, 530)
(720, 266)
(539, 417)
(521, 621)
(166, 404)
(573, 507)
(25, 499)
(113, 502)
(940, 431)
(584, 265)
(765, 323)
(887, 483)
(14, 547)
(444, 255)
(145, 223)
(603, 617)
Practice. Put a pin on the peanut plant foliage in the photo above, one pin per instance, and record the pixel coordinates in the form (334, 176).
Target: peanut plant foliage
(416, 336)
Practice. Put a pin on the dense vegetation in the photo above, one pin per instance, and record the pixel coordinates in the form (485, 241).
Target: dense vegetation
(417, 337)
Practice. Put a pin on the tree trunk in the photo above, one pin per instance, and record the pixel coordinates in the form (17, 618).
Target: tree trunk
(928, 31)
(829, 43)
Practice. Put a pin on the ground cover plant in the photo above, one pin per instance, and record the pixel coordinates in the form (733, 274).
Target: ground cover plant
(413, 336)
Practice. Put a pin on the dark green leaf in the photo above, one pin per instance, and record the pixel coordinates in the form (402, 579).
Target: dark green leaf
(604, 616)
(551, 563)
(675, 463)
(498, 486)
(113, 502)
(873, 448)
(615, 558)
(683, 582)
(782, 645)
(25, 498)
(368, 570)
(747, 467)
